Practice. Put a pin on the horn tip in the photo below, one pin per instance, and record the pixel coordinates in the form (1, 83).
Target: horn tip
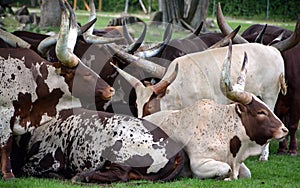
(114, 65)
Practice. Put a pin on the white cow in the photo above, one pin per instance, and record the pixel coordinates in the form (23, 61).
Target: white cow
(218, 138)
(198, 78)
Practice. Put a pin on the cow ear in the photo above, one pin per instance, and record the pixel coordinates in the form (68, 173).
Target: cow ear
(240, 108)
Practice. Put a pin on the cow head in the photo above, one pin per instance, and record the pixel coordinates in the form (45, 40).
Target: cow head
(72, 68)
(148, 96)
(260, 123)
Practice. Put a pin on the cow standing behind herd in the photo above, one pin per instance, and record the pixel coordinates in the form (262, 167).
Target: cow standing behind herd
(53, 121)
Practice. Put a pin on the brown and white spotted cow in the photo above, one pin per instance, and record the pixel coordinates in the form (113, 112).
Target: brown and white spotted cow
(281, 101)
(34, 90)
(219, 138)
(101, 147)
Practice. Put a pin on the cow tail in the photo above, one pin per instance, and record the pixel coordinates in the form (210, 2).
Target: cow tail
(283, 85)
(179, 162)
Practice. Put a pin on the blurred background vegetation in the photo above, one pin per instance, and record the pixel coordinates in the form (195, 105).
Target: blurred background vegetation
(280, 10)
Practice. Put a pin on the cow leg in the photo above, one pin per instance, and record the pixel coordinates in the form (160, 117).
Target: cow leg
(209, 168)
(293, 147)
(282, 150)
(114, 173)
(5, 160)
(265, 153)
(244, 171)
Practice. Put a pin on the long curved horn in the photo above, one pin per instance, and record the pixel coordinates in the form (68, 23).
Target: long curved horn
(277, 39)
(134, 82)
(196, 32)
(88, 35)
(235, 93)
(153, 51)
(225, 28)
(126, 34)
(291, 41)
(45, 44)
(226, 39)
(64, 46)
(164, 83)
(134, 46)
(86, 26)
(260, 36)
(13, 40)
(152, 68)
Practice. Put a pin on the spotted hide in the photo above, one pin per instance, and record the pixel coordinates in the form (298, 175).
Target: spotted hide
(101, 147)
(218, 138)
(34, 90)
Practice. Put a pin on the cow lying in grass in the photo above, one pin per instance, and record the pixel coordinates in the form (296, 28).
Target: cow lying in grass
(219, 138)
(94, 146)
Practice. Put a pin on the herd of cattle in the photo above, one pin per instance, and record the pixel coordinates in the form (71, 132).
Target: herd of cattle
(98, 106)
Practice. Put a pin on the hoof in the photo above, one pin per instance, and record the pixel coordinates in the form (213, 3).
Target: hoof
(281, 152)
(8, 176)
(293, 153)
(263, 159)
(77, 179)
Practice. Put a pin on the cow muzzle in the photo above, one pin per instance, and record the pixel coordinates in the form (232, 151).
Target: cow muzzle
(281, 133)
(107, 93)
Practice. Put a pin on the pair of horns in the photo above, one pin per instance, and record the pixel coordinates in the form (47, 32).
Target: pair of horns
(235, 93)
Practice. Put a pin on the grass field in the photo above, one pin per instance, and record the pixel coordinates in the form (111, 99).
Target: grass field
(279, 171)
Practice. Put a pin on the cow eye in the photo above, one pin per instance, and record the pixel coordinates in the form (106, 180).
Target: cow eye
(262, 112)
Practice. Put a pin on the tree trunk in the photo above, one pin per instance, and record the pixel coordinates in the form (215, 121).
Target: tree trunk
(197, 12)
(50, 13)
(126, 6)
(191, 12)
(32, 3)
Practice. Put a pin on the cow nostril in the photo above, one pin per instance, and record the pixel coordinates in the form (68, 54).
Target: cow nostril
(285, 130)
(112, 90)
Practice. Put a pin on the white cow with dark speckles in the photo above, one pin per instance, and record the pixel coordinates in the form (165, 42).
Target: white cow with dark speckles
(218, 138)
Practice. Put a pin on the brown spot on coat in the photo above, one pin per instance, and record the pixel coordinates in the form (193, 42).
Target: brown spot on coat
(235, 145)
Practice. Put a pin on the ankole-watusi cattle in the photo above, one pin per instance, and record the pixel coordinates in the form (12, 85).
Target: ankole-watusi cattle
(95, 146)
(182, 90)
(218, 138)
(33, 90)
(287, 106)
(267, 69)
(177, 92)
